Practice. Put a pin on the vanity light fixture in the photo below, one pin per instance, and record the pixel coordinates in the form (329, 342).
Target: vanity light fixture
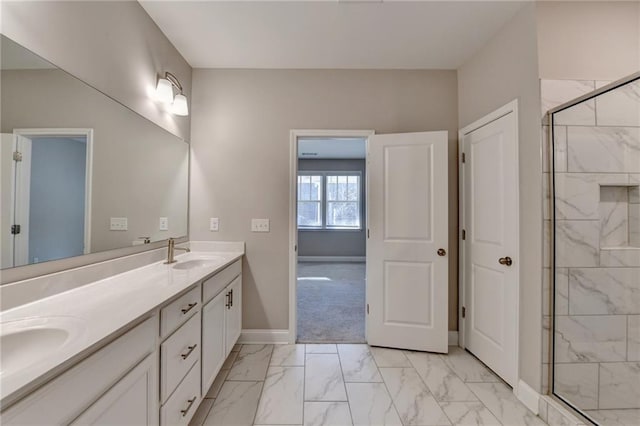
(164, 93)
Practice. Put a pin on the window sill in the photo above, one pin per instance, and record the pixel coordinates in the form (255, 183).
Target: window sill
(330, 229)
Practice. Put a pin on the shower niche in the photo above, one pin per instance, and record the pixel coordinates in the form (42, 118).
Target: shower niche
(619, 217)
(595, 253)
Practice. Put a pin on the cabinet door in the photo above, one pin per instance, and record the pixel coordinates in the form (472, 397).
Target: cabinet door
(234, 313)
(131, 401)
(213, 349)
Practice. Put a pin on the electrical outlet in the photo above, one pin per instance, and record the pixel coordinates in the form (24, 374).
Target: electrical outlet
(164, 223)
(259, 225)
(118, 224)
(214, 224)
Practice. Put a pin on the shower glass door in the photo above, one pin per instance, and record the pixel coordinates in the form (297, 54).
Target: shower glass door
(596, 254)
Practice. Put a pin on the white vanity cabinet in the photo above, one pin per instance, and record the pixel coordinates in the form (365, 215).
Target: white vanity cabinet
(155, 373)
(221, 320)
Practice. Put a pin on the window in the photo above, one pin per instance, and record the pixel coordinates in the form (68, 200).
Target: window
(329, 201)
(310, 191)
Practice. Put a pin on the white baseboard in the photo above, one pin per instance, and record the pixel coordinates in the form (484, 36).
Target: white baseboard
(332, 259)
(529, 397)
(453, 338)
(254, 336)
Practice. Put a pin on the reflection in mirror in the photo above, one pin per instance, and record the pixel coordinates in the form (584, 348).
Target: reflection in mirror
(80, 173)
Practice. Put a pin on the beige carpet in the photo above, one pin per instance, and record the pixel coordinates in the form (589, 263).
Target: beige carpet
(331, 302)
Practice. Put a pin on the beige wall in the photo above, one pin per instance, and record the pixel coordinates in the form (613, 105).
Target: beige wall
(506, 69)
(588, 40)
(112, 45)
(240, 156)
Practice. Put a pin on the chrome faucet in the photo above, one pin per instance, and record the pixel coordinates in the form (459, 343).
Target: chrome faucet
(171, 249)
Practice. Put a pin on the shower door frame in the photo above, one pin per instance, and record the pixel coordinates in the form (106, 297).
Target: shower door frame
(552, 195)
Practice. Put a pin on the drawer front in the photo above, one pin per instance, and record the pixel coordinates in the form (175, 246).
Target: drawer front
(178, 311)
(184, 402)
(178, 354)
(217, 283)
(63, 398)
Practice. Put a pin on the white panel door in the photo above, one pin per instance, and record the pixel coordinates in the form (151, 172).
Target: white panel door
(7, 181)
(490, 248)
(22, 201)
(407, 264)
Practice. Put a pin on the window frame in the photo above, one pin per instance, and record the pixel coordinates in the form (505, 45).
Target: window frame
(324, 201)
(320, 201)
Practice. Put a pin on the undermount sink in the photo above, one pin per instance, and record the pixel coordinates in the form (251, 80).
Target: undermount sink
(197, 263)
(28, 341)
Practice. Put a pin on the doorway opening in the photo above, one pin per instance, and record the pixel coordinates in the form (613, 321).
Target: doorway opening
(46, 167)
(330, 233)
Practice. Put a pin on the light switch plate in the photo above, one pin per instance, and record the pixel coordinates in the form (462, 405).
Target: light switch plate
(214, 224)
(164, 224)
(259, 225)
(118, 224)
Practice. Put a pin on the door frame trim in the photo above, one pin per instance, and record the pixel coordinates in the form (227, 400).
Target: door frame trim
(511, 107)
(294, 134)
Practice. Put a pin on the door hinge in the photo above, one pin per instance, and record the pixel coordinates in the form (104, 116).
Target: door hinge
(17, 156)
(464, 312)
(464, 235)
(368, 234)
(15, 229)
(367, 309)
(295, 248)
(464, 158)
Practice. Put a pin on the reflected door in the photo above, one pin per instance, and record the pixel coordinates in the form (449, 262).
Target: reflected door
(7, 180)
(491, 273)
(407, 265)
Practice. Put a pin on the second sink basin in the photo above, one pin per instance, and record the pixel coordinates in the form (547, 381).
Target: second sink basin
(200, 262)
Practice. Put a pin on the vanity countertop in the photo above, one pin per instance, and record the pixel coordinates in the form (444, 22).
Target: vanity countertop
(93, 314)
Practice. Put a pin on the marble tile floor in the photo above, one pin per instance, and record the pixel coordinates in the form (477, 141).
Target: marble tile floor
(349, 384)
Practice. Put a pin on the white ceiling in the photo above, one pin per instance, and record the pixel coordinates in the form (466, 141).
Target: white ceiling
(333, 148)
(329, 34)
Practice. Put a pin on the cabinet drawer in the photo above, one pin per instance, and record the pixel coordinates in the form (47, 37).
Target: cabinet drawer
(179, 409)
(217, 283)
(178, 311)
(63, 398)
(177, 354)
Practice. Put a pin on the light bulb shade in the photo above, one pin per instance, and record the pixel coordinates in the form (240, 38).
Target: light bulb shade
(164, 91)
(180, 106)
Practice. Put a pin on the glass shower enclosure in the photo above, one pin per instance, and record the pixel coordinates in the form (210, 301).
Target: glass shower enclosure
(596, 253)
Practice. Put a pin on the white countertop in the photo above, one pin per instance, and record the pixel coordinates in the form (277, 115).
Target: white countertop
(98, 311)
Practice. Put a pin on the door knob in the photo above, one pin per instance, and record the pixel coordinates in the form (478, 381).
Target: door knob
(442, 252)
(505, 261)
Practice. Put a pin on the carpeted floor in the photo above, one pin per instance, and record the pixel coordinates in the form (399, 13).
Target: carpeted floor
(331, 302)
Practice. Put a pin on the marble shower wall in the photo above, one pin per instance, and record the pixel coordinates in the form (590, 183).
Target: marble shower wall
(597, 212)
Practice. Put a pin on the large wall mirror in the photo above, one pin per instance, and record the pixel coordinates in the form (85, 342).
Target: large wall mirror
(80, 172)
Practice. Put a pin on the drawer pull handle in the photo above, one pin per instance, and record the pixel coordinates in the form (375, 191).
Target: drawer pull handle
(189, 307)
(186, 410)
(191, 348)
(231, 297)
